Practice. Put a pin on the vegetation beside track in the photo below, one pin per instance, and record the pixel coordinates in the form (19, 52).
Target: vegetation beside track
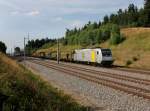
(133, 52)
(26, 92)
(130, 46)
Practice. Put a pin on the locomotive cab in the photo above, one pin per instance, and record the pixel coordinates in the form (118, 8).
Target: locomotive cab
(106, 57)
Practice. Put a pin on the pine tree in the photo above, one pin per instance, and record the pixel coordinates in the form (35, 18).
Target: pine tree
(147, 4)
(147, 13)
(98, 37)
(115, 35)
(106, 19)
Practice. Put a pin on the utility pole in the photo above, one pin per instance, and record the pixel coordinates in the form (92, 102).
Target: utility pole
(28, 36)
(58, 51)
(25, 46)
(24, 49)
(28, 46)
(11, 52)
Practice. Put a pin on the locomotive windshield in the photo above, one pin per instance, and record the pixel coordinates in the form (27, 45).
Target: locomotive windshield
(106, 52)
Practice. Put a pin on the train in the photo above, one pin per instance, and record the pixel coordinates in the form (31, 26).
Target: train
(97, 56)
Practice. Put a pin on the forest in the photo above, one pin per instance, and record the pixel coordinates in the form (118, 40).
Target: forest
(94, 33)
(36, 44)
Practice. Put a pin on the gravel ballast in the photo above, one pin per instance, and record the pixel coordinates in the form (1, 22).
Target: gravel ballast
(92, 94)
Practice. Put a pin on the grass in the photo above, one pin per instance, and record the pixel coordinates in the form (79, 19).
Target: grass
(129, 62)
(135, 45)
(27, 92)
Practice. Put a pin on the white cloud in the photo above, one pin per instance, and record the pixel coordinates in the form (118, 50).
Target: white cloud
(33, 13)
(29, 13)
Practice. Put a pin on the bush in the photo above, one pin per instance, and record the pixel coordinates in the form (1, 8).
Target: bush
(116, 37)
(27, 92)
(135, 58)
(3, 47)
(129, 62)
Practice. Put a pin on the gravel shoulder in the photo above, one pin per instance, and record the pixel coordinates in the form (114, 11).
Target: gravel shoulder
(91, 94)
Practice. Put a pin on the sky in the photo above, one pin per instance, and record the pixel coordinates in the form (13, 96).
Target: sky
(50, 18)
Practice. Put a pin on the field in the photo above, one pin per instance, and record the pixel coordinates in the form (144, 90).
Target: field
(26, 92)
(133, 52)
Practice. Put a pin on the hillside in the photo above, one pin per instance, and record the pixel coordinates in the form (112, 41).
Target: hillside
(26, 92)
(133, 52)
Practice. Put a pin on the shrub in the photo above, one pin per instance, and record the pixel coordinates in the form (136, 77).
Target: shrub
(27, 92)
(3, 47)
(129, 62)
(134, 58)
(116, 37)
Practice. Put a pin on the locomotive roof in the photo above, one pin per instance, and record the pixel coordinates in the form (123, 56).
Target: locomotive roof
(96, 49)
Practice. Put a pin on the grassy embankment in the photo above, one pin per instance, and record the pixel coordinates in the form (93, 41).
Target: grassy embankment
(27, 92)
(133, 52)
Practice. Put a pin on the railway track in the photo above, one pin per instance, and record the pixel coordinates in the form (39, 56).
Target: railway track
(118, 68)
(144, 72)
(111, 75)
(130, 89)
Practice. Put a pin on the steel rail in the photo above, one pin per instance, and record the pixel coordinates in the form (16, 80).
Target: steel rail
(140, 92)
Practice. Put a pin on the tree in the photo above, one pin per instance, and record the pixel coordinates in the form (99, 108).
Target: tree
(147, 13)
(141, 19)
(89, 23)
(91, 38)
(113, 19)
(131, 8)
(95, 25)
(85, 27)
(99, 24)
(64, 41)
(132, 15)
(99, 37)
(17, 50)
(67, 32)
(105, 35)
(106, 19)
(2, 47)
(115, 39)
(147, 4)
(115, 35)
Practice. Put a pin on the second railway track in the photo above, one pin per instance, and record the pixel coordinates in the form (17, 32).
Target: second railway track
(138, 91)
(111, 75)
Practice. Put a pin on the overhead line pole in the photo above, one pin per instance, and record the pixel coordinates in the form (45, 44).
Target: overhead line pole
(58, 51)
(24, 49)
(28, 46)
(25, 46)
